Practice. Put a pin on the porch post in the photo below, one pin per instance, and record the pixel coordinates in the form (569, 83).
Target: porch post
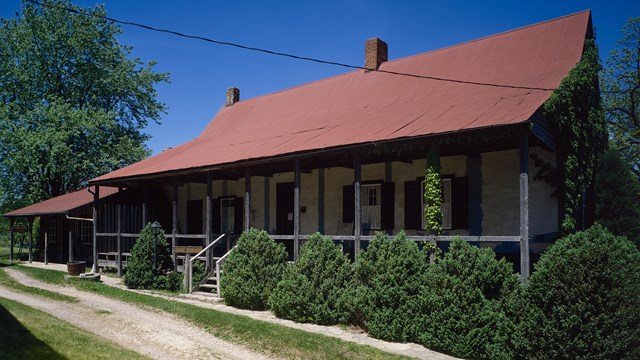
(174, 222)
(46, 249)
(30, 220)
(209, 219)
(70, 241)
(296, 209)
(321, 200)
(145, 205)
(357, 221)
(96, 196)
(524, 207)
(119, 232)
(11, 223)
(247, 199)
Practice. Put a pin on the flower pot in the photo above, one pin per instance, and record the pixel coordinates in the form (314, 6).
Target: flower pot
(75, 268)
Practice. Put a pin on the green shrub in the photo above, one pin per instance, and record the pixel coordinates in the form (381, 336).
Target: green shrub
(617, 192)
(469, 303)
(140, 272)
(199, 272)
(584, 299)
(389, 274)
(315, 286)
(252, 270)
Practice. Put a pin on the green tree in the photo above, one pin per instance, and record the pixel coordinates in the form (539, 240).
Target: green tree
(433, 193)
(617, 192)
(73, 102)
(621, 98)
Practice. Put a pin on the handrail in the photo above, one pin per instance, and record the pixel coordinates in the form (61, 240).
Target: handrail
(195, 257)
(218, 266)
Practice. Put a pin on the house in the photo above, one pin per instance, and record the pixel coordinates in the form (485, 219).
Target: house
(345, 155)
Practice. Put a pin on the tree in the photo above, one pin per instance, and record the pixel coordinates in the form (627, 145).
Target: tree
(73, 102)
(617, 192)
(621, 98)
(433, 193)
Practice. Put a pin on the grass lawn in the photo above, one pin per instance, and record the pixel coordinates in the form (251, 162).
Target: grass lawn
(28, 333)
(7, 281)
(259, 336)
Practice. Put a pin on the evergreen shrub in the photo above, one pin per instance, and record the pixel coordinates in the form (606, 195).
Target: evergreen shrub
(140, 273)
(584, 299)
(389, 274)
(316, 285)
(469, 303)
(252, 270)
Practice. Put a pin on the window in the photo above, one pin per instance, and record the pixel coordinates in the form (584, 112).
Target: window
(445, 207)
(86, 232)
(227, 215)
(52, 231)
(370, 199)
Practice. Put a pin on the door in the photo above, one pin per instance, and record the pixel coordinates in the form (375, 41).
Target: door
(194, 217)
(284, 208)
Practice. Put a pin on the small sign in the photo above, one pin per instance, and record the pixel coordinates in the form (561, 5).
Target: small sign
(20, 229)
(187, 249)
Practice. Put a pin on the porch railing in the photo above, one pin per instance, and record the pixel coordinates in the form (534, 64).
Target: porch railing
(189, 262)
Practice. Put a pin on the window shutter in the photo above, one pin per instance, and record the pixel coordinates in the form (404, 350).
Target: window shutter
(348, 206)
(238, 218)
(215, 216)
(459, 203)
(387, 205)
(412, 205)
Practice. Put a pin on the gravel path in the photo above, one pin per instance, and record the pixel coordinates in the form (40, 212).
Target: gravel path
(152, 333)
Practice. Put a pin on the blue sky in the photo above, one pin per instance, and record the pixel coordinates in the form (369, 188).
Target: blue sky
(327, 29)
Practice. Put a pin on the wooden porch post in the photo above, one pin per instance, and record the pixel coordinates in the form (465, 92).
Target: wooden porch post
(30, 220)
(524, 208)
(11, 224)
(357, 222)
(145, 205)
(70, 241)
(247, 199)
(296, 209)
(209, 218)
(46, 249)
(119, 231)
(96, 196)
(174, 222)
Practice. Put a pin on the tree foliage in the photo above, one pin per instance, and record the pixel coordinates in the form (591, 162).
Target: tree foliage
(576, 117)
(315, 287)
(617, 192)
(621, 99)
(252, 270)
(584, 299)
(73, 102)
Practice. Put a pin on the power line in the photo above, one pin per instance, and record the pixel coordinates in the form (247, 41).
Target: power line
(292, 56)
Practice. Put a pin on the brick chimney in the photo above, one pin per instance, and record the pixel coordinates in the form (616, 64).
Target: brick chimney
(233, 96)
(376, 52)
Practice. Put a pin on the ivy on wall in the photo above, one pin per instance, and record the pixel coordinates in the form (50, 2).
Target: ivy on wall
(576, 117)
(433, 193)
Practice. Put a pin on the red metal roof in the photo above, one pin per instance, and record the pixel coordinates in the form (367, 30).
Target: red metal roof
(359, 107)
(62, 204)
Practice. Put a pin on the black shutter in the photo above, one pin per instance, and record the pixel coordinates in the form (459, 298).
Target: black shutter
(412, 205)
(348, 205)
(388, 205)
(238, 218)
(459, 203)
(215, 216)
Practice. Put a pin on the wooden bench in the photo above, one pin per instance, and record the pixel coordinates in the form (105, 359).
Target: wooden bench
(110, 259)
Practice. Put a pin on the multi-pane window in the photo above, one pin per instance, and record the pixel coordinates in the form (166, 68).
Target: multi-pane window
(52, 231)
(227, 215)
(445, 207)
(370, 199)
(86, 232)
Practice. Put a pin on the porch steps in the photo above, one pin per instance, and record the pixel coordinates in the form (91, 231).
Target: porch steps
(209, 285)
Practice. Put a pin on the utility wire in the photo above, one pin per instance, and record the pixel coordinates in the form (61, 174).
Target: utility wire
(292, 56)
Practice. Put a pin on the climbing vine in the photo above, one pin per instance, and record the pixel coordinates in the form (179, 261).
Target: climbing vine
(576, 117)
(433, 193)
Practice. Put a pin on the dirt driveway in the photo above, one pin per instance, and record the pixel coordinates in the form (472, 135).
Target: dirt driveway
(152, 333)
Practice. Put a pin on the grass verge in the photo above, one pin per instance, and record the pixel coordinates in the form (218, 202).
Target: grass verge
(28, 333)
(259, 336)
(8, 281)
